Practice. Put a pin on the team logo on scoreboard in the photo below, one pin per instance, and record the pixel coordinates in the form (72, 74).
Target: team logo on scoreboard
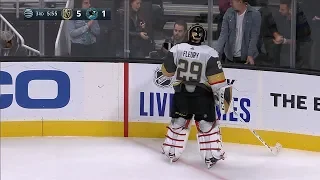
(92, 13)
(160, 80)
(66, 13)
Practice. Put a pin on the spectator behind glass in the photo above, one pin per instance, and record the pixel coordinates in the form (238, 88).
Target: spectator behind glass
(137, 24)
(224, 5)
(5, 42)
(269, 52)
(8, 47)
(240, 33)
(83, 33)
(179, 35)
(139, 40)
(303, 35)
(311, 9)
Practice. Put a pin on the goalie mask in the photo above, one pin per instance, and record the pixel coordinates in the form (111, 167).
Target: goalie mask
(196, 34)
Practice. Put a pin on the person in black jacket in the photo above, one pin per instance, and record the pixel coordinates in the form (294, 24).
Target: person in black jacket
(303, 38)
(269, 51)
(139, 40)
(312, 12)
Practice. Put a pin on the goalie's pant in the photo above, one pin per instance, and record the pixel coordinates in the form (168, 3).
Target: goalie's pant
(200, 106)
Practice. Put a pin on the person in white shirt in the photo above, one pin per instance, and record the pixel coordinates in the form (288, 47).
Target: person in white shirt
(240, 33)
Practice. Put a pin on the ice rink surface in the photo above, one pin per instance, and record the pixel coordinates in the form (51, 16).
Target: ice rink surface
(86, 158)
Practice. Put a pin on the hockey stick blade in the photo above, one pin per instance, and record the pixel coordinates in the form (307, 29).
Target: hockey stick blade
(274, 150)
(277, 148)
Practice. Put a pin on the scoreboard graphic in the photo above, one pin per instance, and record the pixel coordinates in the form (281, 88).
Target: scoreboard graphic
(67, 14)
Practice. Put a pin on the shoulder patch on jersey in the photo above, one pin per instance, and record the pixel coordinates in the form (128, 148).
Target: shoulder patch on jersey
(160, 80)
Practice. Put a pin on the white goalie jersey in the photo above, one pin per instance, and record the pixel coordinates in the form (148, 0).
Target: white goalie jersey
(194, 64)
(198, 65)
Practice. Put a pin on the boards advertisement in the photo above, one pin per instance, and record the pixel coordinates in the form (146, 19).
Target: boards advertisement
(265, 100)
(42, 91)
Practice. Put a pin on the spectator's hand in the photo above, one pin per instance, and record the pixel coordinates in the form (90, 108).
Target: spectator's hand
(144, 35)
(278, 40)
(142, 25)
(316, 18)
(250, 60)
(90, 23)
(287, 41)
(165, 50)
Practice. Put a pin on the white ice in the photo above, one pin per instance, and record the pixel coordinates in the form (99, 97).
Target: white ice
(86, 158)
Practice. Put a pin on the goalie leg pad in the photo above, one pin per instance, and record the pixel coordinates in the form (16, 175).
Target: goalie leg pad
(176, 138)
(210, 141)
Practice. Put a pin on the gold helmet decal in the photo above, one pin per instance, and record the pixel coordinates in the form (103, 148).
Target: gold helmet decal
(197, 34)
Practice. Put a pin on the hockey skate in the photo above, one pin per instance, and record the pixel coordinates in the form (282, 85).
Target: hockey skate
(212, 161)
(171, 156)
(176, 139)
(210, 143)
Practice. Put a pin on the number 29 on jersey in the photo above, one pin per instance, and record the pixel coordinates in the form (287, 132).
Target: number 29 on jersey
(189, 70)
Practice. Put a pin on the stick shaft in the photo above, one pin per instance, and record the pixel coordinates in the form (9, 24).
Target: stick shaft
(257, 136)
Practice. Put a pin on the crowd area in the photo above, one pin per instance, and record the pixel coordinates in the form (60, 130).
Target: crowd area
(254, 32)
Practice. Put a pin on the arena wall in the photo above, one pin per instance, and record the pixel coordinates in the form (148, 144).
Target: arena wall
(105, 99)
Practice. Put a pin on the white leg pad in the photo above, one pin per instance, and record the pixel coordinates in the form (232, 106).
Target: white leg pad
(209, 140)
(176, 138)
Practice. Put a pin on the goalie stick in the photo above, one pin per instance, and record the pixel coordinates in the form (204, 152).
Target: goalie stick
(274, 150)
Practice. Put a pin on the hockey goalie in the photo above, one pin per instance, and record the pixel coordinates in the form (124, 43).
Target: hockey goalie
(199, 84)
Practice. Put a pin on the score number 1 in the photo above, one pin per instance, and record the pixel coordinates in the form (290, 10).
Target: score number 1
(105, 14)
(102, 14)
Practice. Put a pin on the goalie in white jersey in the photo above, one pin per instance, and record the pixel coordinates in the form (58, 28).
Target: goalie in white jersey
(199, 81)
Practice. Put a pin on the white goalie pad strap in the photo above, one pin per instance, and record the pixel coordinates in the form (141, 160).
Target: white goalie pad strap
(209, 140)
(176, 138)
